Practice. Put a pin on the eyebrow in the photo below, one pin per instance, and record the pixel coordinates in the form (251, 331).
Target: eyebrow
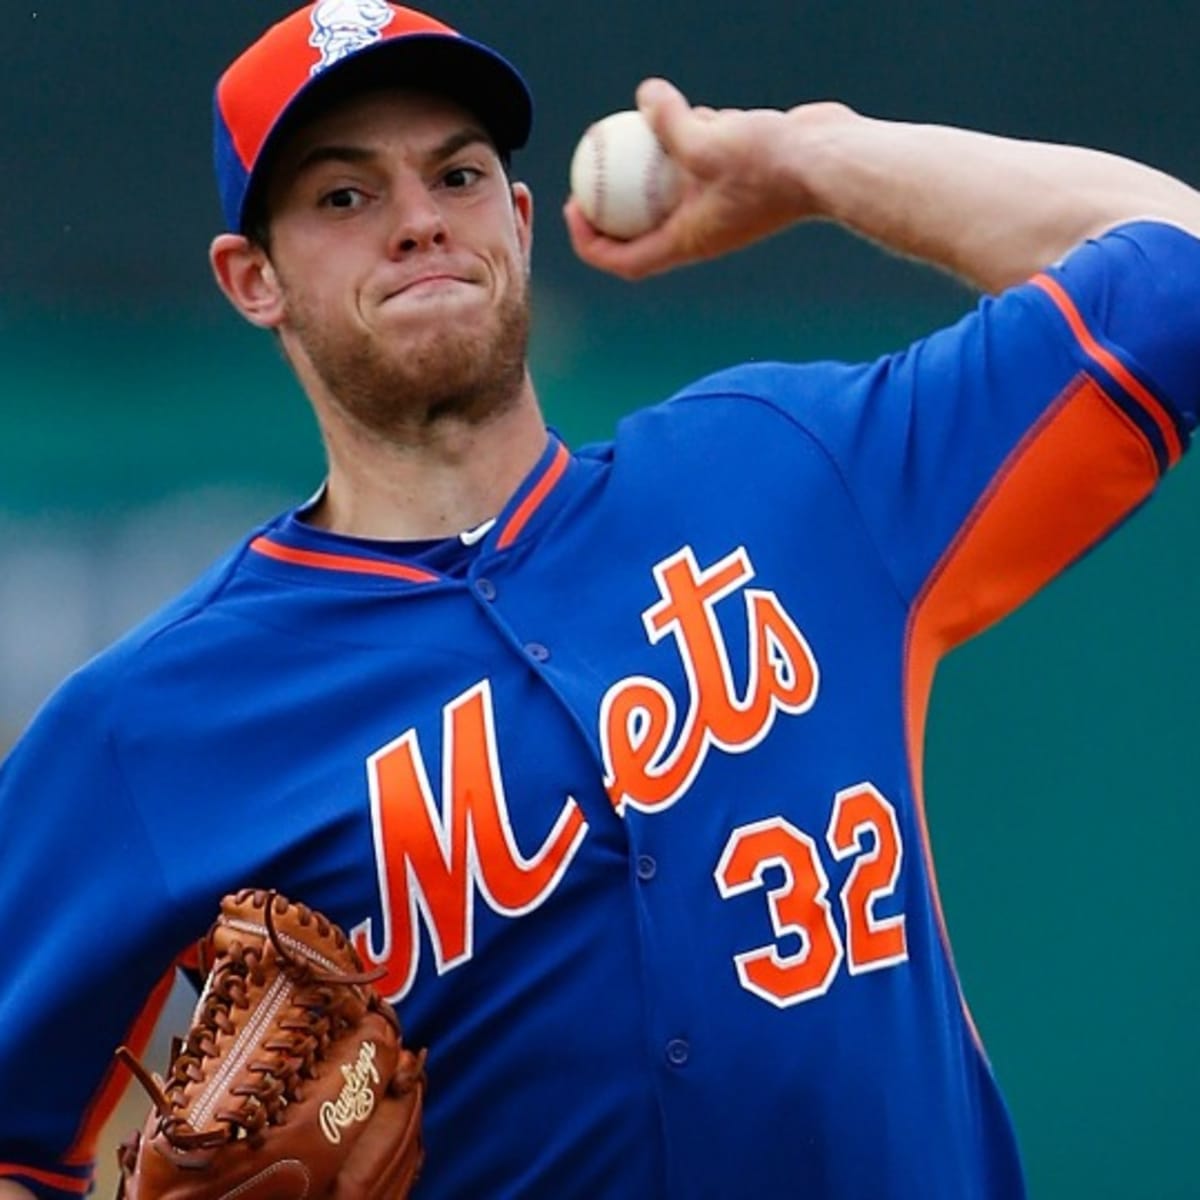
(331, 152)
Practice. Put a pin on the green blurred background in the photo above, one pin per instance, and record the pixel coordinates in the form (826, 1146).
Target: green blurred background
(142, 429)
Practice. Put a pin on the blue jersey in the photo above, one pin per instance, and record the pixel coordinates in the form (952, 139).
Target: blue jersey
(625, 798)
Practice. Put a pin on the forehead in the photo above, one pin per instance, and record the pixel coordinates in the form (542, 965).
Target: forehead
(415, 119)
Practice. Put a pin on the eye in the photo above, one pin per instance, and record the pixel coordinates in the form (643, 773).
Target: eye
(461, 177)
(343, 198)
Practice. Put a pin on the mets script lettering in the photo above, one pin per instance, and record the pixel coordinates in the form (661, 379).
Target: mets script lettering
(435, 864)
(651, 756)
(434, 857)
(356, 1100)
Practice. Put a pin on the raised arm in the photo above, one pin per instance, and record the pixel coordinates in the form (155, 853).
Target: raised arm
(991, 210)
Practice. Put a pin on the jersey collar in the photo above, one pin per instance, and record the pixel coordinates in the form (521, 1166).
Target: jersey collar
(296, 550)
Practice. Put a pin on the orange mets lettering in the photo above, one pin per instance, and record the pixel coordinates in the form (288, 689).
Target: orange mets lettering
(434, 862)
(650, 759)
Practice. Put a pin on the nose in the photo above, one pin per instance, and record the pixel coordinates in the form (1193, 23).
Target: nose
(417, 220)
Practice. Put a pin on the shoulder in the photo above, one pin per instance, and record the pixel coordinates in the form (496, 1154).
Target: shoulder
(100, 696)
(745, 399)
(771, 382)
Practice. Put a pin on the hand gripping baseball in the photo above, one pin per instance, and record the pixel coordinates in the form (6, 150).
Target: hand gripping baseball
(743, 179)
(293, 1080)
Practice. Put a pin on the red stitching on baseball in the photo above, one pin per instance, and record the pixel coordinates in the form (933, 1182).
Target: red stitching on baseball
(654, 200)
(596, 135)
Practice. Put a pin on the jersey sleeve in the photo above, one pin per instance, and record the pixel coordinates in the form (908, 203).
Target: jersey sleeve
(986, 458)
(86, 967)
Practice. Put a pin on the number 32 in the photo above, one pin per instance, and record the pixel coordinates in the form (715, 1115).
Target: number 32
(800, 906)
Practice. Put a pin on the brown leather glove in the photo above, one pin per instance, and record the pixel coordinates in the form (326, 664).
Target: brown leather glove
(293, 1080)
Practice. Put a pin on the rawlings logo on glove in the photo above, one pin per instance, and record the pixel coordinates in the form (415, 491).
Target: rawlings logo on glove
(357, 1099)
(289, 1038)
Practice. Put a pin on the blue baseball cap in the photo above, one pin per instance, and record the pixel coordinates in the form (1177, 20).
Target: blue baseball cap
(335, 47)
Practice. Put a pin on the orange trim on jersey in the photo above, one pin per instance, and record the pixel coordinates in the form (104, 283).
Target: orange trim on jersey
(64, 1183)
(1112, 365)
(1071, 480)
(529, 505)
(341, 562)
(117, 1078)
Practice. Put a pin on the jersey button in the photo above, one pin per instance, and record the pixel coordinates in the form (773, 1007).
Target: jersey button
(647, 868)
(486, 588)
(678, 1052)
(537, 652)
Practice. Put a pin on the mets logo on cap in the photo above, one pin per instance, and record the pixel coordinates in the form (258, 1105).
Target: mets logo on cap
(340, 27)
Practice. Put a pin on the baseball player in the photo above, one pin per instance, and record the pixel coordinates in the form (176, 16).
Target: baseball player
(610, 757)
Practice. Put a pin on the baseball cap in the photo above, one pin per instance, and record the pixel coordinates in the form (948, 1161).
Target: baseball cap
(335, 47)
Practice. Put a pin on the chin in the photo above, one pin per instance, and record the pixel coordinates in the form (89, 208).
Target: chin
(454, 350)
(460, 359)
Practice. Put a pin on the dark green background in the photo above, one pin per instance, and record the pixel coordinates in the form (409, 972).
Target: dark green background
(1059, 772)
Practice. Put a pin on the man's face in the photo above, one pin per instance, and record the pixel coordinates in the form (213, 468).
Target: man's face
(402, 253)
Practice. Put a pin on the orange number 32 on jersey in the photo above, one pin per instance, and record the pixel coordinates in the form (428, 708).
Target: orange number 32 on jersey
(800, 906)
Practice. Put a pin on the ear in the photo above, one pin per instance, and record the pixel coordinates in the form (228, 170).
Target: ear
(523, 212)
(243, 271)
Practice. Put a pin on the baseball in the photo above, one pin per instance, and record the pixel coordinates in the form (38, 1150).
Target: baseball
(622, 178)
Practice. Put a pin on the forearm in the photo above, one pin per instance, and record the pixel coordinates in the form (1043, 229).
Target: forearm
(14, 1191)
(991, 210)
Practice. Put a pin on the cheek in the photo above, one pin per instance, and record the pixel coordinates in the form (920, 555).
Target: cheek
(512, 261)
(320, 285)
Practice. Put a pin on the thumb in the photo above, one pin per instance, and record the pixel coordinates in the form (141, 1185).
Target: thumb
(668, 113)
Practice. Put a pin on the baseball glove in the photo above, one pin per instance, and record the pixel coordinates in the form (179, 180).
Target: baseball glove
(293, 1080)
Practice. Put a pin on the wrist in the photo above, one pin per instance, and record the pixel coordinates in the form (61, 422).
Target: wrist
(815, 154)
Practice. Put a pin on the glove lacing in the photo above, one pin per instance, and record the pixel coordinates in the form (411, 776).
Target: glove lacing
(313, 1020)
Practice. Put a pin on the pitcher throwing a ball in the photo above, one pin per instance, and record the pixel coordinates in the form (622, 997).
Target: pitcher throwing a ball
(607, 762)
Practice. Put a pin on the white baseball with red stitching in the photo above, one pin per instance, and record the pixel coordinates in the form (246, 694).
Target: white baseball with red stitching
(622, 177)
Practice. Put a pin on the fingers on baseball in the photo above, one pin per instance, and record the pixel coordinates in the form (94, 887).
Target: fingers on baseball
(679, 126)
(585, 237)
(647, 255)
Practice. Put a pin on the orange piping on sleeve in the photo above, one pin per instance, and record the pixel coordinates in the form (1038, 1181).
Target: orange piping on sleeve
(1112, 364)
(1073, 478)
(117, 1079)
(64, 1183)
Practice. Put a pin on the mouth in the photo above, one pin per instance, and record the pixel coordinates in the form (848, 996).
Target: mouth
(433, 283)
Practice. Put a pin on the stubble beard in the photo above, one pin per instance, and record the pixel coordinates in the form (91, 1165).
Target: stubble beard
(465, 371)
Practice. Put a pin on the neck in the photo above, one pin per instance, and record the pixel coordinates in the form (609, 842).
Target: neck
(452, 475)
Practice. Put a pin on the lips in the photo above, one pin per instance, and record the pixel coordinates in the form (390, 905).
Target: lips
(430, 278)
(424, 280)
